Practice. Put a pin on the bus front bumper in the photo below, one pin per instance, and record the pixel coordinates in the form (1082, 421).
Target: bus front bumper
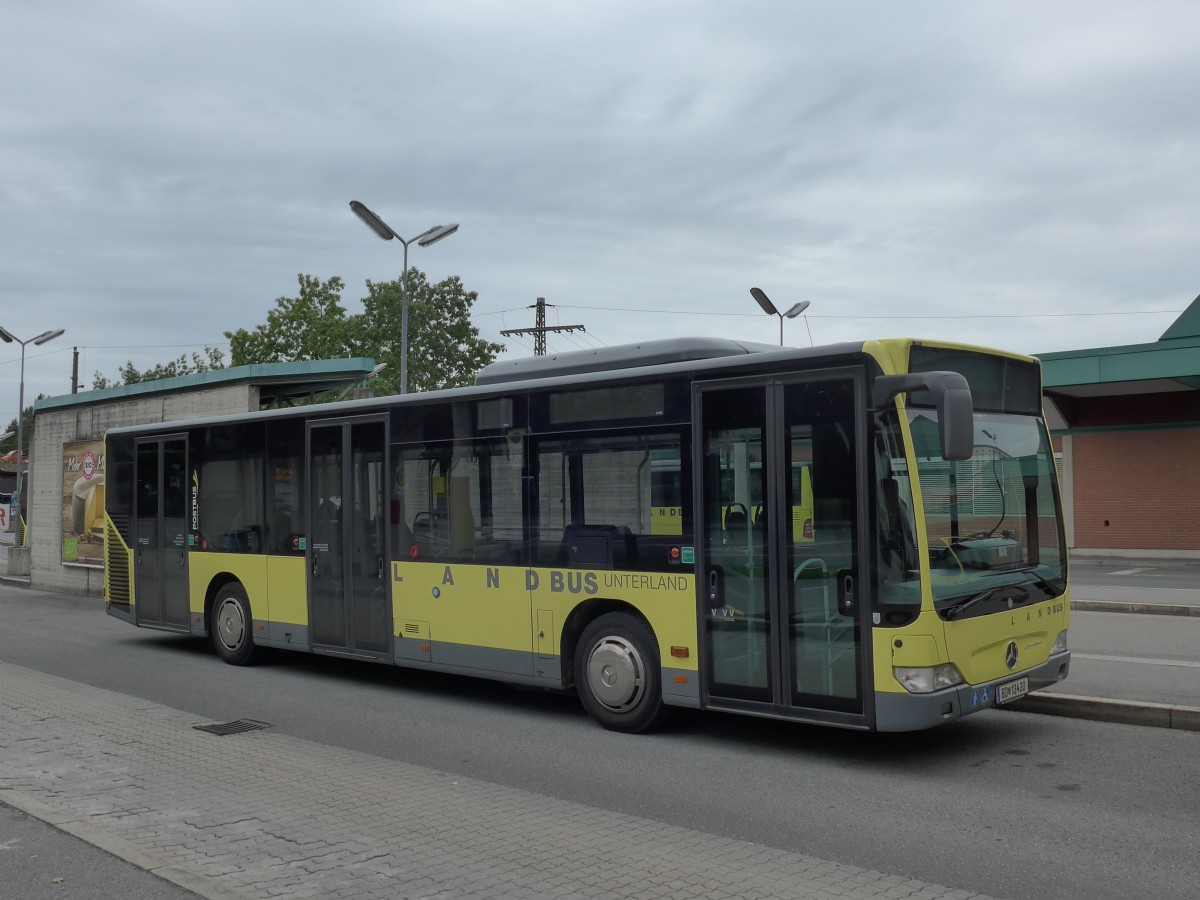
(913, 712)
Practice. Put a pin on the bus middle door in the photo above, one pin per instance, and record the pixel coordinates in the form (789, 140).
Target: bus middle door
(349, 605)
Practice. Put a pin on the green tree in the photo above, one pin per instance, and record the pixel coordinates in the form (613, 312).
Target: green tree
(445, 349)
(310, 326)
(129, 373)
(10, 442)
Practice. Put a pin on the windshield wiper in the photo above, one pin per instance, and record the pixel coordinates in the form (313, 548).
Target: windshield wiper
(1048, 586)
(953, 612)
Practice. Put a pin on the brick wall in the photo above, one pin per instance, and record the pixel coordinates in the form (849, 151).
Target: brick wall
(1137, 490)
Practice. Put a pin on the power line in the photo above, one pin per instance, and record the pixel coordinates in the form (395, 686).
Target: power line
(214, 344)
(752, 315)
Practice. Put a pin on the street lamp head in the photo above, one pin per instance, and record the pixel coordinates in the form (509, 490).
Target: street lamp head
(372, 221)
(9, 338)
(424, 239)
(796, 309)
(435, 234)
(47, 336)
(764, 301)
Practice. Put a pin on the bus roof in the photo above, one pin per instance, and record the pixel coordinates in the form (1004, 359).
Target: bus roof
(667, 358)
(608, 359)
(681, 357)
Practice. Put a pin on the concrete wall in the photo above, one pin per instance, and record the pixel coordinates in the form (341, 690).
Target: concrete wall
(54, 427)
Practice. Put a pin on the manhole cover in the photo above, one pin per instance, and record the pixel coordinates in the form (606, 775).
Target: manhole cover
(239, 727)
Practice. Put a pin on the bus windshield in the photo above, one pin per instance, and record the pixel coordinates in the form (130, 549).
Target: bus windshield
(992, 522)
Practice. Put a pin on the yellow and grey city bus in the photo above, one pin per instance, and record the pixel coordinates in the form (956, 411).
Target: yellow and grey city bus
(867, 535)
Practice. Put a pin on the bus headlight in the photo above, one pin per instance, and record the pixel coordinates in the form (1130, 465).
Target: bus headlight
(1060, 643)
(926, 679)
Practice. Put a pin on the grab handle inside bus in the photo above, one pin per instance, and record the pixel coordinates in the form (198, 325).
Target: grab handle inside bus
(951, 397)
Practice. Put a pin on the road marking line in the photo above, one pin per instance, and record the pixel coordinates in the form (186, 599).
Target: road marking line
(1137, 659)
(1128, 572)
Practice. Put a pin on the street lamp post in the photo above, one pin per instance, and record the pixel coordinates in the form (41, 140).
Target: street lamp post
(424, 239)
(8, 337)
(768, 307)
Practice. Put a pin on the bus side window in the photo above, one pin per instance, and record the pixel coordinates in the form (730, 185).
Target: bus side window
(229, 495)
(632, 488)
(285, 487)
(455, 502)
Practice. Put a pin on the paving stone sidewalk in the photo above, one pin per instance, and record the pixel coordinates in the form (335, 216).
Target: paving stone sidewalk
(262, 814)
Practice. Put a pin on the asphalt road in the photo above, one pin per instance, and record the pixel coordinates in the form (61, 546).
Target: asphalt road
(1150, 581)
(1140, 658)
(1015, 805)
(39, 862)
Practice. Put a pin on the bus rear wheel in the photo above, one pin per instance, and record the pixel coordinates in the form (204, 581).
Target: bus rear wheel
(233, 626)
(617, 673)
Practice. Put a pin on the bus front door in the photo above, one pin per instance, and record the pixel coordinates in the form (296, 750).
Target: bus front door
(348, 588)
(780, 511)
(160, 512)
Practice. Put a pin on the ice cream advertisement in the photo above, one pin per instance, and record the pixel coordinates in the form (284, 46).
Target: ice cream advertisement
(83, 504)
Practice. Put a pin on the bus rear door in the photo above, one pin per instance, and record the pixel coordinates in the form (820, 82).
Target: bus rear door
(160, 523)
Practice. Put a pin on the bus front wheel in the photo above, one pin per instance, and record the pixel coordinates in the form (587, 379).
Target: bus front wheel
(617, 673)
(233, 626)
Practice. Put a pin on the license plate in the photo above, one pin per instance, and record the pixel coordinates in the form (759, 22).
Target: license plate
(1012, 690)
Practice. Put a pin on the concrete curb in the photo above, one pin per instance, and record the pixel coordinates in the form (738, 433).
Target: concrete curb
(118, 847)
(1142, 559)
(1159, 609)
(1123, 712)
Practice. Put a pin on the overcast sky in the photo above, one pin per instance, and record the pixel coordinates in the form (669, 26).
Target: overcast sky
(1023, 175)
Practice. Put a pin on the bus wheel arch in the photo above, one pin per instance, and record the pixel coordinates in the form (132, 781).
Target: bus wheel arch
(617, 670)
(232, 623)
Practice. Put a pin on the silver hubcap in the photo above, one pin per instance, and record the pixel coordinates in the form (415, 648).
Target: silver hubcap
(231, 626)
(616, 674)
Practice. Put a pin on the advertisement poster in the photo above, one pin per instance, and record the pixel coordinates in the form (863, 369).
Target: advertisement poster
(83, 504)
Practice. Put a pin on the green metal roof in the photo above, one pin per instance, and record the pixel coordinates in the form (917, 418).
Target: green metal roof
(1186, 326)
(1171, 363)
(277, 382)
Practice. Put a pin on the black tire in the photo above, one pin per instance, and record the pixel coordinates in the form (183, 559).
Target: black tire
(233, 626)
(617, 673)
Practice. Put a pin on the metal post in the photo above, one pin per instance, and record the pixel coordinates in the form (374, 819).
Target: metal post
(539, 321)
(20, 433)
(404, 322)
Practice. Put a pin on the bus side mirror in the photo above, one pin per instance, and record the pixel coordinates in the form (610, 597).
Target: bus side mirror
(951, 397)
